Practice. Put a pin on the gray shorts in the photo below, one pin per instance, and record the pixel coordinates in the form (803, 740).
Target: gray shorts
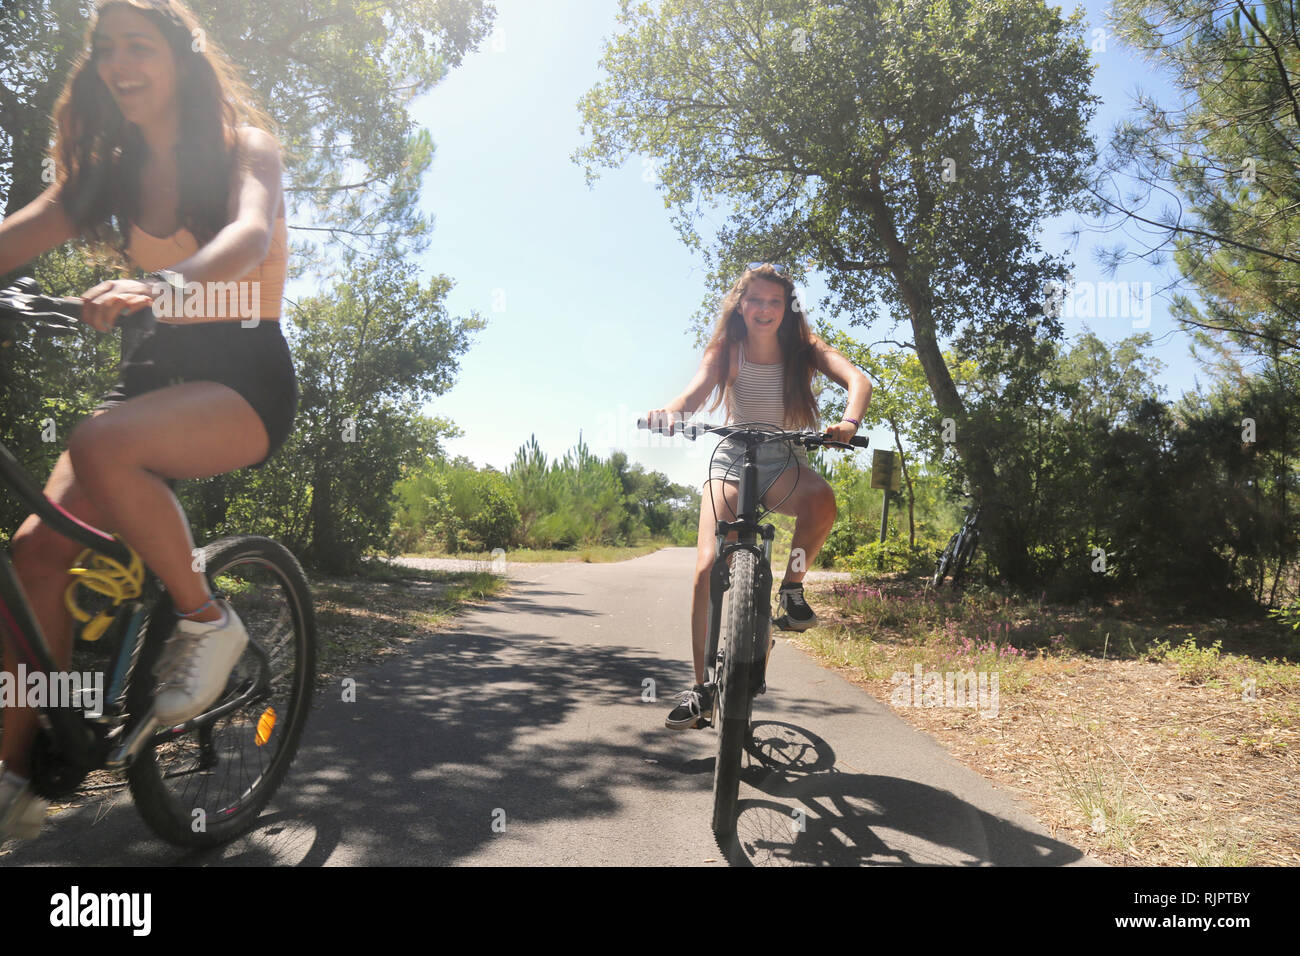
(773, 458)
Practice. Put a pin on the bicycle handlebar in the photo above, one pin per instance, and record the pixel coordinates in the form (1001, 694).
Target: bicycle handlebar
(24, 302)
(807, 438)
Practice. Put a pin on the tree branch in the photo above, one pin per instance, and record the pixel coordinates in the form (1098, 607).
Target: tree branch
(1277, 58)
(1195, 232)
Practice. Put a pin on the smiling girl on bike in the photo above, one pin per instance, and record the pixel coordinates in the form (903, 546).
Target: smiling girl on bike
(157, 142)
(760, 361)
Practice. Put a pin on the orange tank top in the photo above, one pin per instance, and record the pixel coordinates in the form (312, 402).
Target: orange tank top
(255, 295)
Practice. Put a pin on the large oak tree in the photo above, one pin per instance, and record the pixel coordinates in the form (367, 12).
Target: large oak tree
(910, 149)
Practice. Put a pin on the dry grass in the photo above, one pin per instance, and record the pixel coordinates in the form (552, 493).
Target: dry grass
(362, 620)
(1176, 753)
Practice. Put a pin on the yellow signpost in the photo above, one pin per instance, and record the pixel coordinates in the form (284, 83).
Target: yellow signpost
(885, 471)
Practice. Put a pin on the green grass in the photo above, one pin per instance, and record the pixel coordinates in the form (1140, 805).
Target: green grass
(1195, 665)
(933, 651)
(1038, 628)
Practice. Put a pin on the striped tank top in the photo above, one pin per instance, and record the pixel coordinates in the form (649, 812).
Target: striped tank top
(758, 393)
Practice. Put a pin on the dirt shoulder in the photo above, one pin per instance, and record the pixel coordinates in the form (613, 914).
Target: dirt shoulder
(1121, 736)
(362, 619)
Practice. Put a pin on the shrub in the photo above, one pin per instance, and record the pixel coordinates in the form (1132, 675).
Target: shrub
(1194, 664)
(894, 556)
(496, 520)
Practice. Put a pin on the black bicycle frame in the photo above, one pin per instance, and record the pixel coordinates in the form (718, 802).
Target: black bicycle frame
(15, 614)
(17, 618)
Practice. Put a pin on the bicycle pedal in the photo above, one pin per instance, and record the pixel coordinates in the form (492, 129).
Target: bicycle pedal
(783, 622)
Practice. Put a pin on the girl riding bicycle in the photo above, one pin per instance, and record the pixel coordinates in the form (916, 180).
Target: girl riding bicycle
(158, 145)
(760, 361)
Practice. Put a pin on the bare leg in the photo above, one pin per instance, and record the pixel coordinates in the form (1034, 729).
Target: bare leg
(123, 456)
(41, 558)
(813, 506)
(113, 477)
(723, 495)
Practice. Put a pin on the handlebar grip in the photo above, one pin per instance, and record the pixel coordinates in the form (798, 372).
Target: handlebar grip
(24, 301)
(687, 429)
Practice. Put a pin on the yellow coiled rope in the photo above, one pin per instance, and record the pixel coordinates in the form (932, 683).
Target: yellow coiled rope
(102, 574)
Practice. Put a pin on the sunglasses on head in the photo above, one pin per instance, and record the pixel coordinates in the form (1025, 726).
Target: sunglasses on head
(779, 270)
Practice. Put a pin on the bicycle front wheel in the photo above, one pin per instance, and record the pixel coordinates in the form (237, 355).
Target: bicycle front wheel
(735, 696)
(207, 786)
(964, 555)
(945, 559)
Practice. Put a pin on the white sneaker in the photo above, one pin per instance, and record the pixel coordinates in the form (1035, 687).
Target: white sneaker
(195, 664)
(21, 811)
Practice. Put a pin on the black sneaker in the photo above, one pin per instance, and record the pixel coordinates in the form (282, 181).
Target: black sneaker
(693, 711)
(796, 615)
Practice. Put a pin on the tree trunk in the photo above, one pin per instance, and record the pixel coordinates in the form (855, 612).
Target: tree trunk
(324, 544)
(907, 477)
(1004, 548)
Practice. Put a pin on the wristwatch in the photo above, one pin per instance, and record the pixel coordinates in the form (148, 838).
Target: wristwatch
(174, 281)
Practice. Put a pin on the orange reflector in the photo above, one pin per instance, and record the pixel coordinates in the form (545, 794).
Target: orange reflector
(265, 724)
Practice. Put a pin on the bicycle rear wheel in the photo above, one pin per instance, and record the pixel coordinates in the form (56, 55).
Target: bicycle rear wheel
(207, 786)
(735, 696)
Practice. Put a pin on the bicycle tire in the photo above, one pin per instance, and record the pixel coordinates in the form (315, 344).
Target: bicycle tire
(173, 779)
(964, 556)
(941, 570)
(735, 697)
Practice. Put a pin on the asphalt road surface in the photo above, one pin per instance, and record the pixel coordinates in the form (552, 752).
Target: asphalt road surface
(522, 736)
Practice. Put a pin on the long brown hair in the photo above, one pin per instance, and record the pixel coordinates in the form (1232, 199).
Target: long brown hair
(99, 153)
(793, 336)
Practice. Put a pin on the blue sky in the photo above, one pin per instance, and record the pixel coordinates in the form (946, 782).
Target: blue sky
(589, 293)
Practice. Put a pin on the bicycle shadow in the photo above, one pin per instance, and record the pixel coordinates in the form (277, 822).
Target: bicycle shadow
(819, 816)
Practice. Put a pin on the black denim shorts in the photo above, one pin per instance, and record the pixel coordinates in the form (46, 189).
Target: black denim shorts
(253, 361)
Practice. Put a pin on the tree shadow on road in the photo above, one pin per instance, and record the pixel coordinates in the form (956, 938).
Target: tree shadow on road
(454, 745)
(442, 751)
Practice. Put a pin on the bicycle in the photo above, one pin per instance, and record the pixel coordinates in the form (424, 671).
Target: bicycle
(204, 782)
(737, 667)
(956, 557)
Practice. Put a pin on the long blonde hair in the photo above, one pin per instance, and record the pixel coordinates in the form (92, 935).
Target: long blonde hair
(793, 336)
(99, 153)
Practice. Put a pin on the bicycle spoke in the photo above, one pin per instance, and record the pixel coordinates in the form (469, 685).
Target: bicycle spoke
(248, 748)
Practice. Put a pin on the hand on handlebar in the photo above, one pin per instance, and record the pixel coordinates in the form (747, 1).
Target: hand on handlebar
(842, 432)
(663, 421)
(105, 303)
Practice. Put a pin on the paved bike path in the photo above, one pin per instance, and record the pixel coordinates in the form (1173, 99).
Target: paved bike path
(520, 737)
